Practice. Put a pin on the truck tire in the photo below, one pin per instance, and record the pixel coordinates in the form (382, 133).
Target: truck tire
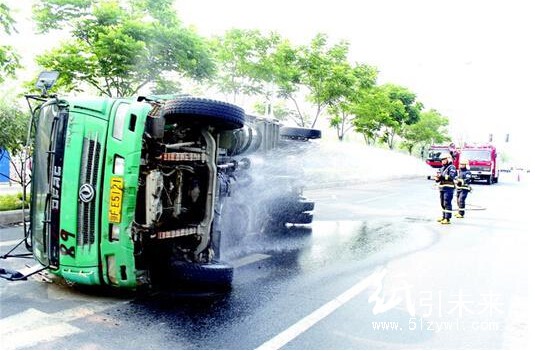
(299, 133)
(200, 111)
(216, 274)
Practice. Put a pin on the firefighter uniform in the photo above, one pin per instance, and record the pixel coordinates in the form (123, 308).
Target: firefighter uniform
(462, 183)
(445, 179)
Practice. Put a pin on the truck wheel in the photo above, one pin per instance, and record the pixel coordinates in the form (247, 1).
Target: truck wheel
(199, 111)
(215, 274)
(299, 133)
(489, 180)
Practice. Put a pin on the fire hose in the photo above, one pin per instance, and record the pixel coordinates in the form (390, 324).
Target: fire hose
(468, 208)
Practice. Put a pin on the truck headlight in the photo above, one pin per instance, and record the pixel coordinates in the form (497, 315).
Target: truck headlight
(118, 165)
(112, 269)
(118, 122)
(115, 231)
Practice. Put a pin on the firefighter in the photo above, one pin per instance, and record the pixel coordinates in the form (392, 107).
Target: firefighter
(445, 179)
(462, 183)
(453, 152)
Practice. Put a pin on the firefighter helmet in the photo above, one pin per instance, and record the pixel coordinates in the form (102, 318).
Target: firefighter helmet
(446, 156)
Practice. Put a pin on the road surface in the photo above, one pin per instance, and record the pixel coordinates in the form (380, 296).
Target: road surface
(374, 271)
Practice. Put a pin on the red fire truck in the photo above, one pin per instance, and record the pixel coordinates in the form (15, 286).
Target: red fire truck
(483, 162)
(434, 154)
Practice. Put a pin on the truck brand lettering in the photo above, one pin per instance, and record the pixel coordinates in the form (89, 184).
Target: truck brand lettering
(56, 187)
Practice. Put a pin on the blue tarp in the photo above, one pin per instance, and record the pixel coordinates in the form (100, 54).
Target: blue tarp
(4, 166)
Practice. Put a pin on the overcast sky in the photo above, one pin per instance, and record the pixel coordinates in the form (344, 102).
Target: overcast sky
(471, 60)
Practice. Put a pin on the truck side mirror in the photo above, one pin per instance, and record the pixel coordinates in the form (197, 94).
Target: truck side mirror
(46, 80)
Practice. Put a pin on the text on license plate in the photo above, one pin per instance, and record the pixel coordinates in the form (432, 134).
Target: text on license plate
(116, 199)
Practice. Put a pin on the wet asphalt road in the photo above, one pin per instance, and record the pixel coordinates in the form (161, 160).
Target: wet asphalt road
(374, 271)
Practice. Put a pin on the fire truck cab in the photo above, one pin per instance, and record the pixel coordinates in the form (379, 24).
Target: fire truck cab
(483, 162)
(434, 154)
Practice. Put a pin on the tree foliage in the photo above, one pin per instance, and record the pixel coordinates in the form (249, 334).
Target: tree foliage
(119, 47)
(13, 128)
(244, 59)
(372, 111)
(431, 128)
(324, 72)
(404, 110)
(343, 110)
(13, 124)
(9, 59)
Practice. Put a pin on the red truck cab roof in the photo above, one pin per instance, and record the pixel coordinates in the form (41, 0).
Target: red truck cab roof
(435, 152)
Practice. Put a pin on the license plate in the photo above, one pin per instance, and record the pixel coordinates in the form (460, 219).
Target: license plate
(116, 199)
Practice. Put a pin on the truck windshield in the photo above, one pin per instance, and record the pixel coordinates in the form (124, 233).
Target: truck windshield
(476, 155)
(434, 154)
(41, 178)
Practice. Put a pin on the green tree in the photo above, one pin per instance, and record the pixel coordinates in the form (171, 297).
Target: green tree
(278, 110)
(431, 128)
(13, 126)
(343, 110)
(9, 59)
(245, 63)
(119, 47)
(324, 73)
(372, 112)
(404, 110)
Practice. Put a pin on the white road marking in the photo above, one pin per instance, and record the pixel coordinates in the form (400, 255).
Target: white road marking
(27, 338)
(32, 326)
(249, 259)
(307, 322)
(20, 320)
(11, 243)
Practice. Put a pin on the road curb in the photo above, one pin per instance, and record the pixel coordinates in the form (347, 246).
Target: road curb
(10, 217)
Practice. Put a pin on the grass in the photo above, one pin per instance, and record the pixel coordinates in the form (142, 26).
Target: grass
(11, 202)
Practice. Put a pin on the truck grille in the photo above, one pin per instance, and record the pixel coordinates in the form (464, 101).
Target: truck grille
(480, 168)
(86, 205)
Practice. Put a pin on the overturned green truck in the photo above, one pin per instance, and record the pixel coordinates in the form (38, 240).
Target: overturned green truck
(130, 192)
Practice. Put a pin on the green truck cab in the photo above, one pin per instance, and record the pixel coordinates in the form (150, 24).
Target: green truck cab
(125, 191)
(130, 192)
